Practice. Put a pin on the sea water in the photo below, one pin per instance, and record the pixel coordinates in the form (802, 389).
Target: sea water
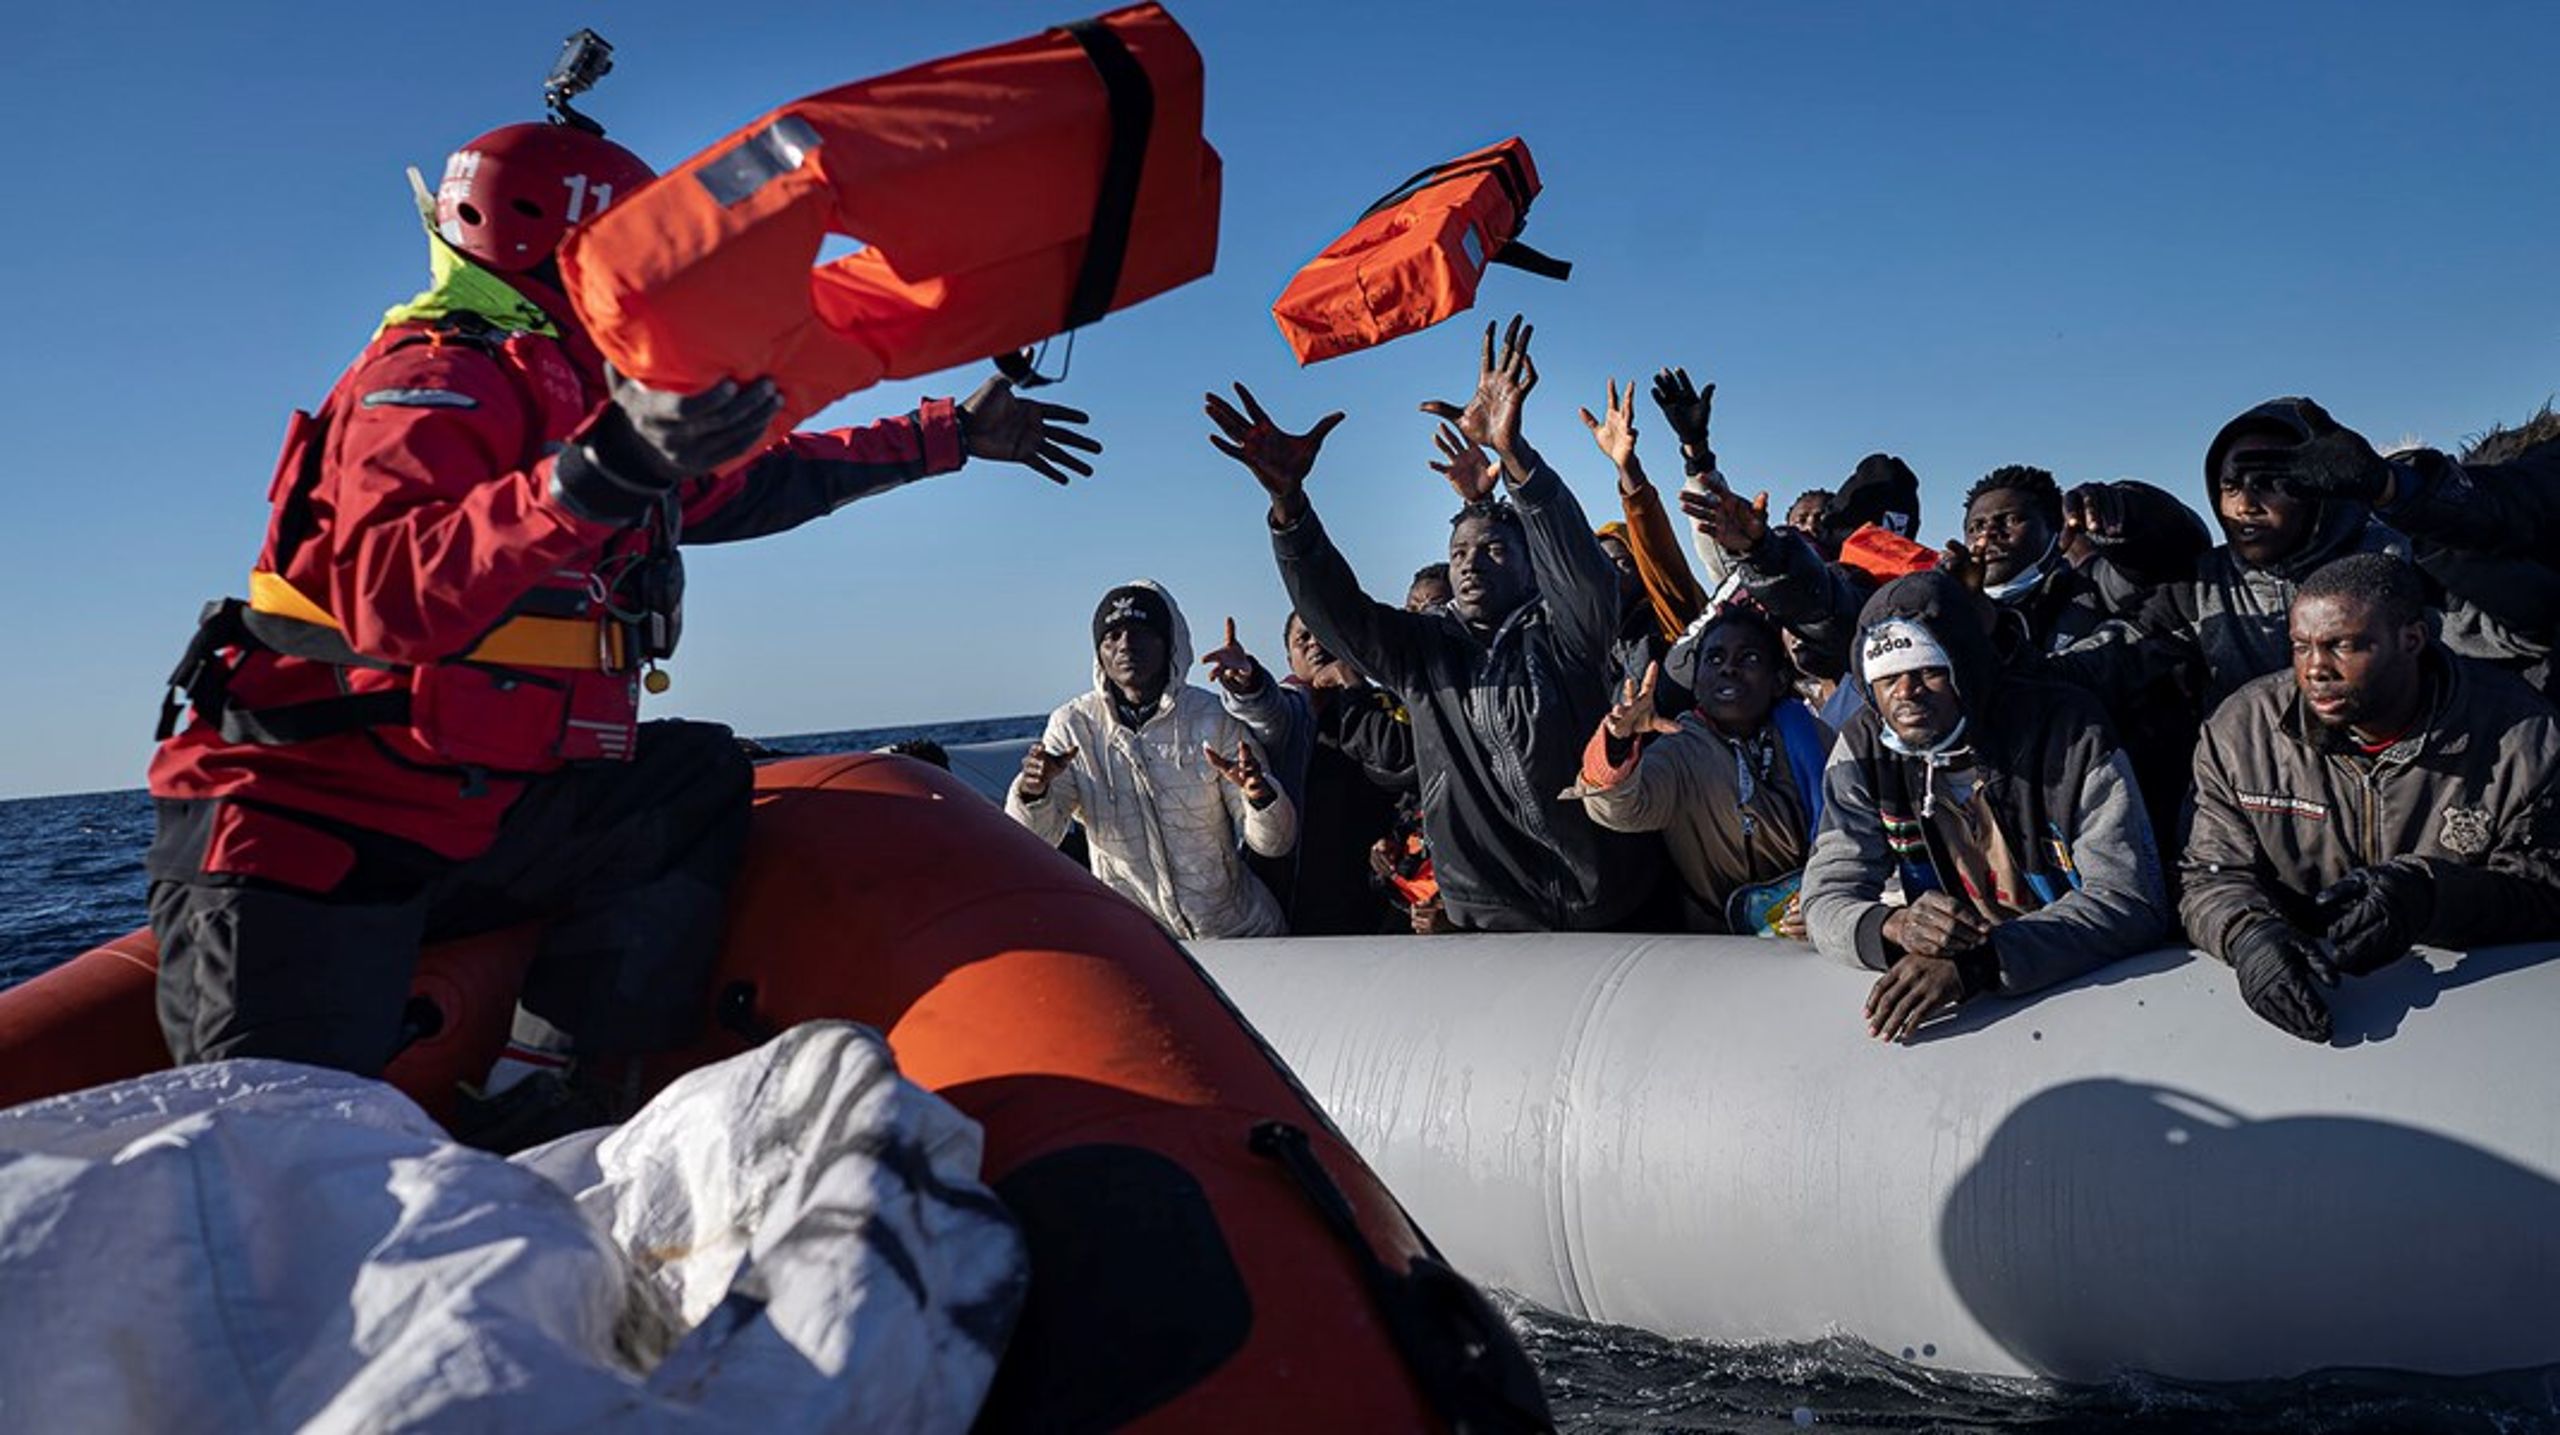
(71, 877)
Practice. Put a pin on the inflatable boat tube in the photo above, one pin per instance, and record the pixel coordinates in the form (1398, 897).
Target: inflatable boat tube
(1002, 196)
(1206, 1252)
(1694, 1135)
(1416, 256)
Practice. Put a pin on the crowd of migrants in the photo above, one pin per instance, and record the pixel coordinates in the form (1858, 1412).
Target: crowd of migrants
(2064, 739)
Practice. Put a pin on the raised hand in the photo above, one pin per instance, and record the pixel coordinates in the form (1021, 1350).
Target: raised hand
(1686, 408)
(2094, 511)
(1040, 767)
(996, 423)
(1958, 562)
(1278, 459)
(1491, 417)
(1616, 434)
(1721, 514)
(1244, 770)
(1468, 468)
(1231, 667)
(1633, 714)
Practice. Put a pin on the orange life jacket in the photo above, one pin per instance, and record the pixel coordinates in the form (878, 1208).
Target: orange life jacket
(1003, 195)
(1885, 555)
(1416, 255)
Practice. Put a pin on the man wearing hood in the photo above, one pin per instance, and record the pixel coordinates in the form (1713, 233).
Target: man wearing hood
(1166, 783)
(1343, 749)
(1734, 785)
(2380, 792)
(2225, 626)
(2481, 527)
(2004, 806)
(1504, 683)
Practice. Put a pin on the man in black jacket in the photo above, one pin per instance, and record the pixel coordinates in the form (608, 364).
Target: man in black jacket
(2381, 792)
(1504, 684)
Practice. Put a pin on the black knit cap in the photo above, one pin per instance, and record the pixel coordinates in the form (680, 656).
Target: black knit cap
(1133, 603)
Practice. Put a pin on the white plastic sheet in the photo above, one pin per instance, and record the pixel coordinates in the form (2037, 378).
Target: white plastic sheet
(794, 1239)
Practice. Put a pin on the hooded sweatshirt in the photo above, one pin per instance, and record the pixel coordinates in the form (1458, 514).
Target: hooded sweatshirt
(2027, 811)
(1499, 717)
(2230, 622)
(1161, 824)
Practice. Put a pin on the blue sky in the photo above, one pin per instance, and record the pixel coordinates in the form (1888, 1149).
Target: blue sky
(1970, 233)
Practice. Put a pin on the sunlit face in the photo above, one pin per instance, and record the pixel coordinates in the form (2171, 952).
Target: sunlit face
(1739, 679)
(1133, 659)
(2007, 530)
(1805, 514)
(2351, 664)
(1313, 663)
(1920, 706)
(1489, 573)
(2260, 520)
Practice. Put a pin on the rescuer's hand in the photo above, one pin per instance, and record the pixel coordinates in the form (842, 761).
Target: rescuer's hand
(1278, 459)
(644, 441)
(997, 423)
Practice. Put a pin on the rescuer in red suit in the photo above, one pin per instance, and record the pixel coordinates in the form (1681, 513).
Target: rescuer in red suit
(423, 720)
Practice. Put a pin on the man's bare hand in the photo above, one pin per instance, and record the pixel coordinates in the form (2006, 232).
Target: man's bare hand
(1040, 767)
(1491, 417)
(1278, 459)
(1735, 524)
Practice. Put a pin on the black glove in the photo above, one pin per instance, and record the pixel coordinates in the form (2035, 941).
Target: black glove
(1686, 409)
(2373, 913)
(646, 441)
(2274, 964)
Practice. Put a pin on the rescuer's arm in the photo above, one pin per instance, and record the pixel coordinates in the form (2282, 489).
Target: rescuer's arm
(436, 528)
(809, 475)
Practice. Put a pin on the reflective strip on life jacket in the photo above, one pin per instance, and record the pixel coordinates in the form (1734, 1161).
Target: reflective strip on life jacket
(1002, 196)
(523, 641)
(1416, 255)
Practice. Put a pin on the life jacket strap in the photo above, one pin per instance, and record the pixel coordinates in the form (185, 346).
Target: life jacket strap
(523, 641)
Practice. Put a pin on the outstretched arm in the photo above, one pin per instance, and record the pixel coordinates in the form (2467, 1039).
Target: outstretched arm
(1378, 639)
(1579, 582)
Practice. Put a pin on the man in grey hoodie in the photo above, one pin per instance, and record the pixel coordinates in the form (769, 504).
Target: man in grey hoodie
(2005, 807)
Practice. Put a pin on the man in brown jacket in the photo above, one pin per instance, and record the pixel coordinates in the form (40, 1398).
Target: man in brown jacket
(2382, 792)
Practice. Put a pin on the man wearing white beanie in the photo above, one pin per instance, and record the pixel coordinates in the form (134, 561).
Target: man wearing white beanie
(2005, 808)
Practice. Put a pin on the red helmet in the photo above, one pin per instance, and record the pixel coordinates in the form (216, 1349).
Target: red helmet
(509, 196)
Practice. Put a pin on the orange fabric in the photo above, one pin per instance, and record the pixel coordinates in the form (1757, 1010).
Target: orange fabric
(971, 180)
(1009, 981)
(1885, 555)
(1410, 265)
(1677, 596)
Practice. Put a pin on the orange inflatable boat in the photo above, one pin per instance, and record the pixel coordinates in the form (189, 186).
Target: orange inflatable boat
(1003, 196)
(1416, 255)
(1206, 1252)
